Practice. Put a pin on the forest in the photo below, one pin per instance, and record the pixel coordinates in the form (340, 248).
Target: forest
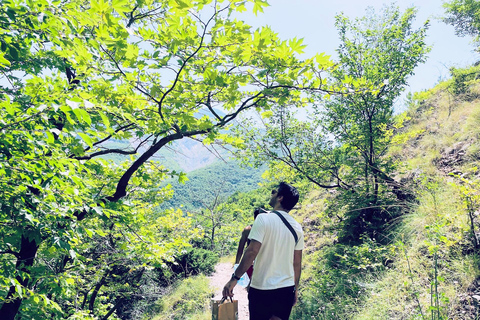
(101, 220)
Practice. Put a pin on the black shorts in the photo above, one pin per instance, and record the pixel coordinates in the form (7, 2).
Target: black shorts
(263, 304)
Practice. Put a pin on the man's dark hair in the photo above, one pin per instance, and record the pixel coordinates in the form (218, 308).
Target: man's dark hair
(290, 195)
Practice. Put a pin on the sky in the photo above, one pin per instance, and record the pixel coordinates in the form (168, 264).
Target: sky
(313, 20)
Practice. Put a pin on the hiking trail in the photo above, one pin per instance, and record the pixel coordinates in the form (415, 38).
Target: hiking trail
(223, 273)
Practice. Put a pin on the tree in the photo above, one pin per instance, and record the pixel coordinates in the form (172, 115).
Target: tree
(384, 50)
(77, 76)
(464, 16)
(344, 143)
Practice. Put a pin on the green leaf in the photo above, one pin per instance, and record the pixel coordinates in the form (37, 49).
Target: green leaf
(82, 116)
(86, 138)
(13, 53)
(100, 232)
(3, 62)
(50, 137)
(259, 5)
(297, 45)
(89, 232)
(19, 290)
(11, 14)
(121, 5)
(182, 177)
(105, 120)
(267, 114)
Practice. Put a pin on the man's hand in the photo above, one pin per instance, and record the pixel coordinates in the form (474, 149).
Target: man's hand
(295, 298)
(247, 260)
(228, 288)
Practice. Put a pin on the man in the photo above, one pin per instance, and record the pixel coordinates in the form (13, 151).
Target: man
(278, 259)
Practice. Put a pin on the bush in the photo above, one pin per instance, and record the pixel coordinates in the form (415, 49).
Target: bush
(364, 215)
(198, 261)
(463, 78)
(341, 279)
(193, 261)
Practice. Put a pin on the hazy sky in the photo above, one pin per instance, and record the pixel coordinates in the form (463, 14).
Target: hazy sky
(314, 21)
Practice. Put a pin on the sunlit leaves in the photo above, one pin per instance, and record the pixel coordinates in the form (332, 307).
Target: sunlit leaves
(464, 16)
(296, 45)
(87, 81)
(3, 62)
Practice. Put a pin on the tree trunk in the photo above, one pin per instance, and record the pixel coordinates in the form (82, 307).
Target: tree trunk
(212, 240)
(375, 189)
(25, 259)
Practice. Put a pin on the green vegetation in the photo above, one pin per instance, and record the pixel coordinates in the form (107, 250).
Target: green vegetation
(81, 234)
(218, 180)
(429, 267)
(463, 15)
(95, 95)
(186, 301)
(344, 143)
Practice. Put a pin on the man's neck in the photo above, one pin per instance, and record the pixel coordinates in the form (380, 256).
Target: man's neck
(279, 208)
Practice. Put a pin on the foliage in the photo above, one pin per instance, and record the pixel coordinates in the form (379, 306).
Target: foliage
(186, 301)
(223, 222)
(464, 16)
(190, 262)
(341, 279)
(77, 75)
(435, 267)
(385, 50)
(220, 178)
(470, 196)
(344, 144)
(462, 78)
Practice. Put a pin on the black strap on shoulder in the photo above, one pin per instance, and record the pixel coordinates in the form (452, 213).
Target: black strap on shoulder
(288, 226)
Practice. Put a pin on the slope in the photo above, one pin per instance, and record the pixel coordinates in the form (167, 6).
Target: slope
(217, 180)
(430, 267)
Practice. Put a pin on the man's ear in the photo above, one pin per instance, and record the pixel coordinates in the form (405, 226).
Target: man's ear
(280, 198)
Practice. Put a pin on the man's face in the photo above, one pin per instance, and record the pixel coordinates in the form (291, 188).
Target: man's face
(273, 198)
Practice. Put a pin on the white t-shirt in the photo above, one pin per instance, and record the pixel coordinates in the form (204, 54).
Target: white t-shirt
(273, 267)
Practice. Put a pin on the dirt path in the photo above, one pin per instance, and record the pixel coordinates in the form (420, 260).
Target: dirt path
(223, 272)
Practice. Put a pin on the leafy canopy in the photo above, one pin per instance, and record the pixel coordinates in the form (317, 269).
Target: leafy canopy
(77, 77)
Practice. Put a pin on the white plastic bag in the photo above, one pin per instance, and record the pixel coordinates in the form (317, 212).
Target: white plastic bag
(244, 280)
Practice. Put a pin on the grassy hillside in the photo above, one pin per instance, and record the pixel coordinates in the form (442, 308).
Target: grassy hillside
(430, 267)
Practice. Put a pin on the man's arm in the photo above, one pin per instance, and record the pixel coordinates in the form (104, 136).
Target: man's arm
(297, 268)
(241, 244)
(247, 260)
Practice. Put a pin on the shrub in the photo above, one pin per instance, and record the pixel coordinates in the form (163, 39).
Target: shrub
(193, 261)
(463, 77)
(342, 277)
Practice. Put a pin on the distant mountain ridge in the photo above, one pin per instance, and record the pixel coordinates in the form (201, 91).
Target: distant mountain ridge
(188, 155)
(220, 179)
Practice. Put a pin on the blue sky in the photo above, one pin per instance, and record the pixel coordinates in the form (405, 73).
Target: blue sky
(314, 20)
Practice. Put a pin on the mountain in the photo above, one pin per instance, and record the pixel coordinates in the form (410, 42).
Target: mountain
(188, 155)
(182, 155)
(220, 179)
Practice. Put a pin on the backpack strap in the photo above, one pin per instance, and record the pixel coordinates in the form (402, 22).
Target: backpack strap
(288, 226)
